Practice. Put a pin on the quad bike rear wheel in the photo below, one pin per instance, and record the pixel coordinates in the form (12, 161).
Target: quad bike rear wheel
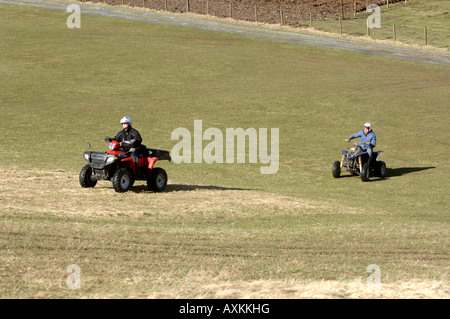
(122, 180)
(157, 180)
(381, 169)
(85, 177)
(336, 170)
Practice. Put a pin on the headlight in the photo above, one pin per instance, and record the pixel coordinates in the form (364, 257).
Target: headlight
(86, 156)
(110, 159)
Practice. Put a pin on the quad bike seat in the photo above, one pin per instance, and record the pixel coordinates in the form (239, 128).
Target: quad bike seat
(141, 151)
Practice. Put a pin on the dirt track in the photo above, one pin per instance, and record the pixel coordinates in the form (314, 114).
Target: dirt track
(267, 11)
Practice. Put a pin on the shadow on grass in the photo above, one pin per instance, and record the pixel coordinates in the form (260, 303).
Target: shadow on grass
(183, 187)
(186, 188)
(394, 172)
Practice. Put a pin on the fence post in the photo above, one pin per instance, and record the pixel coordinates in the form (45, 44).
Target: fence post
(342, 9)
(394, 32)
(281, 16)
(256, 13)
(368, 31)
(354, 9)
(165, 5)
(143, 3)
(207, 7)
(231, 10)
(387, 3)
(340, 25)
(426, 36)
(187, 6)
(310, 20)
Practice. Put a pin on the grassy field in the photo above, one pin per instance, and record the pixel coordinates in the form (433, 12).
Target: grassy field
(410, 20)
(220, 230)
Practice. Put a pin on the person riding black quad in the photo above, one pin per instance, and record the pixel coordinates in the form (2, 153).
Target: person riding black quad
(368, 139)
(126, 161)
(128, 133)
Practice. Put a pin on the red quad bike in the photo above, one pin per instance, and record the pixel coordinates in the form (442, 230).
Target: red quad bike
(122, 167)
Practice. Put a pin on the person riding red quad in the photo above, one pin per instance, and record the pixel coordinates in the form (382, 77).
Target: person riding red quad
(128, 133)
(126, 161)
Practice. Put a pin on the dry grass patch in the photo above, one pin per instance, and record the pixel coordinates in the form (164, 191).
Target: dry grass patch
(200, 241)
(59, 192)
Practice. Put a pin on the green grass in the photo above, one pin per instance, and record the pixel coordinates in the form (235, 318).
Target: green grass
(409, 20)
(61, 88)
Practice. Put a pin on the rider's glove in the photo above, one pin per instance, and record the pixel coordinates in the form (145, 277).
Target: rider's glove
(366, 143)
(347, 140)
(107, 139)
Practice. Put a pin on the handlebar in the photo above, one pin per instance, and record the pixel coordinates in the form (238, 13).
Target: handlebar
(128, 143)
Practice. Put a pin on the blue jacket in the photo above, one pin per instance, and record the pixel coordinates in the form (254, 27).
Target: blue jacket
(365, 138)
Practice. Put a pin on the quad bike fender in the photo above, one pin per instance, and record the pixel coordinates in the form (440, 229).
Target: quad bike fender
(375, 154)
(147, 161)
(151, 162)
(344, 153)
(113, 152)
(360, 154)
(128, 162)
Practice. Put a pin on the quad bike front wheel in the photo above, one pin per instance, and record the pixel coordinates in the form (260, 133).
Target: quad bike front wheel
(122, 180)
(336, 170)
(85, 177)
(157, 180)
(365, 173)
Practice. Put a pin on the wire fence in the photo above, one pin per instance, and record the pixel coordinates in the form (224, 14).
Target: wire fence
(335, 16)
(437, 36)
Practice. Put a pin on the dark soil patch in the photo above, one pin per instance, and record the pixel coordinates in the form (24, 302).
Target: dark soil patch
(269, 11)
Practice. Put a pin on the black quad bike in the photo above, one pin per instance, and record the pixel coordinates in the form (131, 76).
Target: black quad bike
(356, 161)
(123, 164)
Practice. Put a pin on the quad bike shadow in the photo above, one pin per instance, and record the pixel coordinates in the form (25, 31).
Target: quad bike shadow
(188, 188)
(400, 171)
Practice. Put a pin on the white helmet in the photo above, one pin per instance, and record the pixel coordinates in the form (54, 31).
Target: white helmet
(368, 125)
(126, 119)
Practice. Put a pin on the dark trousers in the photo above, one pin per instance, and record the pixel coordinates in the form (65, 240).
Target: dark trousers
(369, 151)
